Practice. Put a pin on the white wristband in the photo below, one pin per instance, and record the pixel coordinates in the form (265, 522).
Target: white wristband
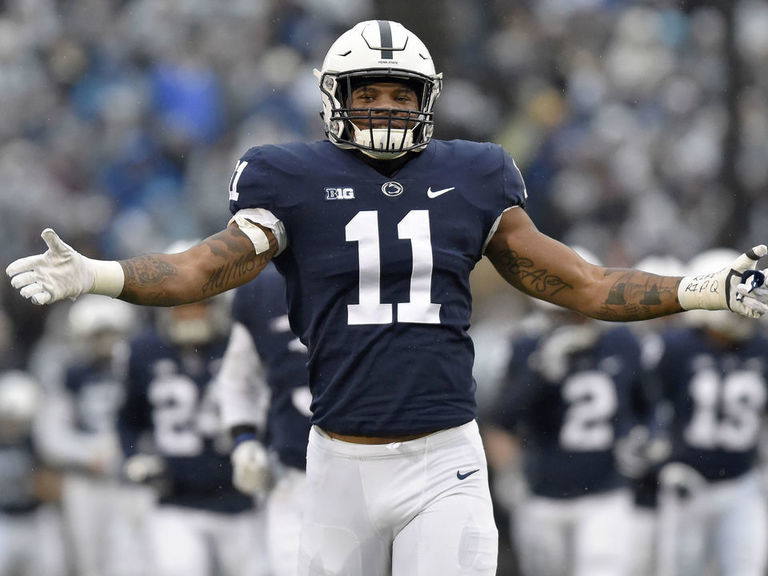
(704, 291)
(108, 278)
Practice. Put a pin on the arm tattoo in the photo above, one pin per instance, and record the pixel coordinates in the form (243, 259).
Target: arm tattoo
(159, 280)
(147, 270)
(231, 272)
(536, 281)
(636, 295)
(226, 274)
(631, 294)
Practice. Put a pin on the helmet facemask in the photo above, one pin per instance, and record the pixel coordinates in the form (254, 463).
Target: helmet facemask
(390, 132)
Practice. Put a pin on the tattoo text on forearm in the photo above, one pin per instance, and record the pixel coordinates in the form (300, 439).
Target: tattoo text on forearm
(230, 273)
(538, 281)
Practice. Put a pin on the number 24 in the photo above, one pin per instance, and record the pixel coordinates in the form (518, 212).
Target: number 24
(364, 229)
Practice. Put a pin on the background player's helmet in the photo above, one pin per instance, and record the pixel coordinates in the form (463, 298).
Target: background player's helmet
(661, 265)
(97, 324)
(723, 322)
(378, 50)
(19, 401)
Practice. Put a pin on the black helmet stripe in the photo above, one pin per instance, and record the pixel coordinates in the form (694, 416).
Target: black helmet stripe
(385, 32)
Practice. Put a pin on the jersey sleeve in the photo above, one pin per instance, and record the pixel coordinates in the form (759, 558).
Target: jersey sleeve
(252, 192)
(515, 192)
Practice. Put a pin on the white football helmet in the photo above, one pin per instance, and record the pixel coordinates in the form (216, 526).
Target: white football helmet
(661, 265)
(378, 50)
(97, 324)
(20, 399)
(723, 322)
(93, 314)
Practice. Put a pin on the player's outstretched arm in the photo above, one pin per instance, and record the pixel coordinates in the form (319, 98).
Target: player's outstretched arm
(222, 261)
(544, 268)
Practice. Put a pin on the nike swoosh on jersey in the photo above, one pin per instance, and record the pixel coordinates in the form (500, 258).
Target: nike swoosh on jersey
(435, 193)
(461, 476)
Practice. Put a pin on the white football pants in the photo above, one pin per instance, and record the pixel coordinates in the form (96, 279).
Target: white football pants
(416, 508)
(285, 507)
(584, 536)
(188, 542)
(95, 510)
(722, 523)
(32, 544)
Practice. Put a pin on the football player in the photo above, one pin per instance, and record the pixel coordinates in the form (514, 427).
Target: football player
(714, 374)
(376, 229)
(78, 433)
(568, 400)
(647, 445)
(170, 430)
(265, 360)
(31, 537)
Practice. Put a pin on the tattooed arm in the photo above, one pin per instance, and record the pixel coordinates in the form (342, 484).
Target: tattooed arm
(220, 262)
(544, 268)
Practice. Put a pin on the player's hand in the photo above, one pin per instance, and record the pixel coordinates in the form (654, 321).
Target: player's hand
(638, 452)
(250, 463)
(61, 272)
(734, 288)
(144, 468)
(752, 293)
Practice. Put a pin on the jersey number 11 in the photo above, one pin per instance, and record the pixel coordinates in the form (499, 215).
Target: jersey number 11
(364, 229)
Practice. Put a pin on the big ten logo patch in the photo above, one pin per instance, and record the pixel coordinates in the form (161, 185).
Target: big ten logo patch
(339, 193)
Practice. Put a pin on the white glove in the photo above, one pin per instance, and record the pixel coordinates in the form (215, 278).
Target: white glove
(250, 463)
(62, 272)
(725, 290)
(141, 468)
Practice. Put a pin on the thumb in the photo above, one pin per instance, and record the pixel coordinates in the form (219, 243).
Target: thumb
(750, 258)
(54, 243)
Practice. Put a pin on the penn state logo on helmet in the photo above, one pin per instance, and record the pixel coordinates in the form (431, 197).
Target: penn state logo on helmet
(378, 50)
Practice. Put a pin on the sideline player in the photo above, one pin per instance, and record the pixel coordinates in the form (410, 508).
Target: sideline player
(265, 360)
(569, 398)
(714, 374)
(376, 230)
(32, 540)
(78, 434)
(171, 434)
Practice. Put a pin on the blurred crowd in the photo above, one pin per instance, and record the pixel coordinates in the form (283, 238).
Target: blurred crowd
(640, 126)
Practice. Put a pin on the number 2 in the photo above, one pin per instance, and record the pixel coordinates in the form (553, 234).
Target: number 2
(364, 229)
(592, 403)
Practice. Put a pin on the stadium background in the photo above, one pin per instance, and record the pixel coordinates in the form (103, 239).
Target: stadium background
(640, 126)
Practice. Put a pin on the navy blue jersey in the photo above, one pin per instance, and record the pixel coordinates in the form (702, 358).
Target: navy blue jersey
(568, 427)
(719, 397)
(377, 271)
(260, 306)
(19, 464)
(171, 398)
(97, 393)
